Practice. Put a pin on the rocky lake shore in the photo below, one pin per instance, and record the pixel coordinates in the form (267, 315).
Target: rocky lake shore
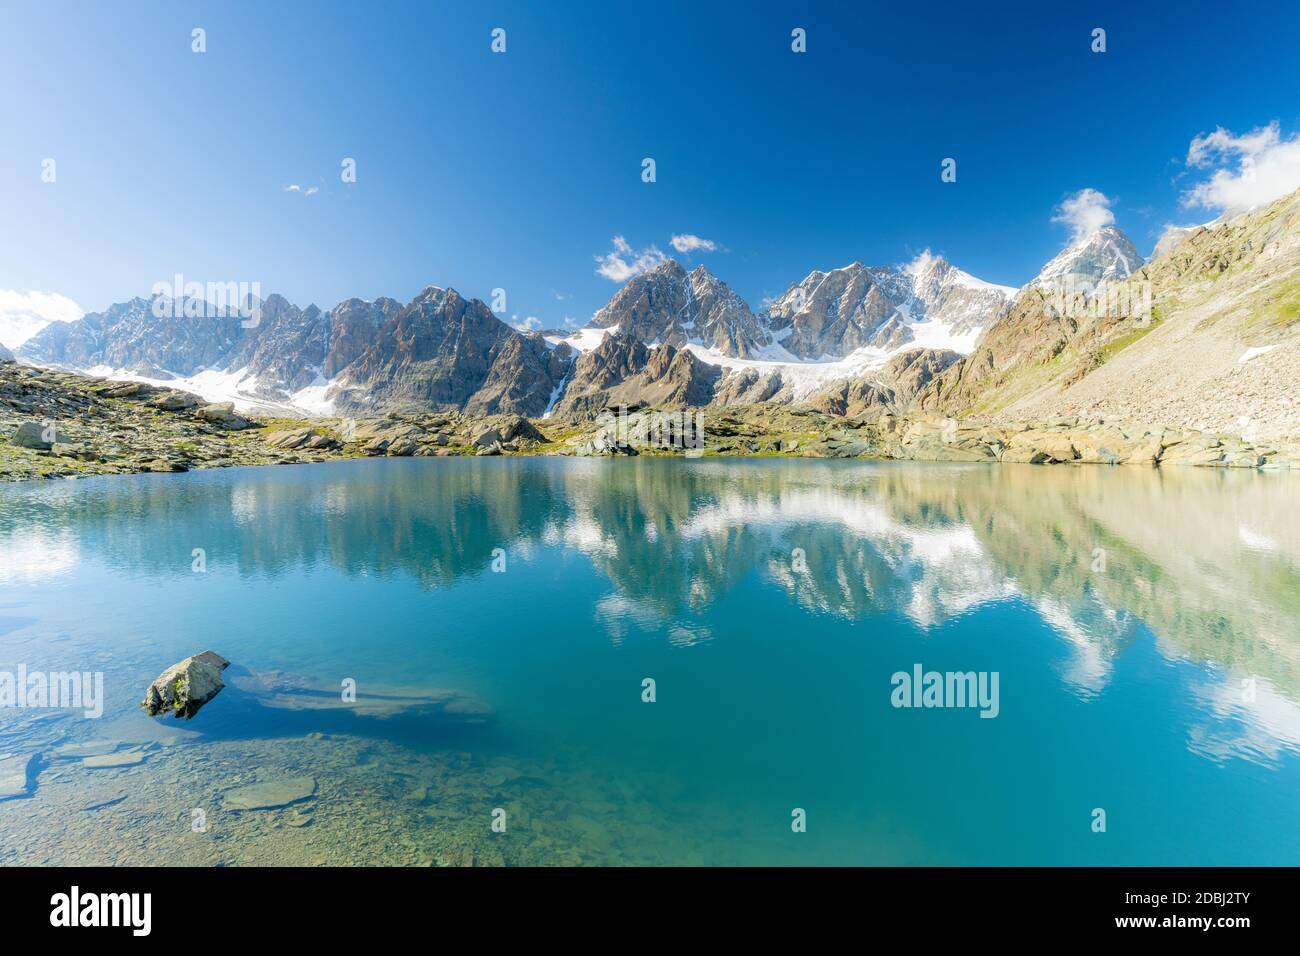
(56, 424)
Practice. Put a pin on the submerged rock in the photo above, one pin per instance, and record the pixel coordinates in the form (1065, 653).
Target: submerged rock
(122, 758)
(270, 794)
(185, 687)
(85, 748)
(281, 690)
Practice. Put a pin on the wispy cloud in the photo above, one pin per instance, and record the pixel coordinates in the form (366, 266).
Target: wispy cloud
(530, 323)
(1085, 212)
(1252, 169)
(685, 242)
(301, 190)
(623, 262)
(23, 314)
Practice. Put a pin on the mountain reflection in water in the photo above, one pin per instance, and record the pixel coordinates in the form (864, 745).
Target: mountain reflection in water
(852, 566)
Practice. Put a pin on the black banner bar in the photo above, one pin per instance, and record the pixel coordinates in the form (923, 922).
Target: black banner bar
(333, 906)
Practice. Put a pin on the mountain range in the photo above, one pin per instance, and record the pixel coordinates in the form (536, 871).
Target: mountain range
(667, 335)
(853, 340)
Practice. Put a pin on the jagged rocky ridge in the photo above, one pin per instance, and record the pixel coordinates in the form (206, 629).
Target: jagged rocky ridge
(831, 314)
(1214, 348)
(827, 315)
(442, 351)
(668, 305)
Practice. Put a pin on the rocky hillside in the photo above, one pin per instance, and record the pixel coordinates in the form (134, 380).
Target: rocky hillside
(354, 326)
(1218, 350)
(62, 425)
(624, 371)
(890, 389)
(286, 351)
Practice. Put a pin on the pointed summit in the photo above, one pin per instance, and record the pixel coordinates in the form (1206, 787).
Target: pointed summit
(668, 305)
(1103, 255)
(955, 298)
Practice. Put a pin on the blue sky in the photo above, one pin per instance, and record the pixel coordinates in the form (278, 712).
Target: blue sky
(479, 170)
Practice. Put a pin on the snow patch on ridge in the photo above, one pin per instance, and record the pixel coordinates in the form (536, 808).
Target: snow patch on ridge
(807, 378)
(925, 262)
(803, 378)
(237, 387)
(583, 340)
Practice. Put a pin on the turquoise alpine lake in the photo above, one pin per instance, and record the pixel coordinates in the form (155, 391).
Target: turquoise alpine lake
(566, 661)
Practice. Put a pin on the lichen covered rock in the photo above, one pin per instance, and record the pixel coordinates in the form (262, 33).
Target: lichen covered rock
(185, 687)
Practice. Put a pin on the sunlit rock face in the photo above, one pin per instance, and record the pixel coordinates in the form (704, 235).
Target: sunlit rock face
(668, 305)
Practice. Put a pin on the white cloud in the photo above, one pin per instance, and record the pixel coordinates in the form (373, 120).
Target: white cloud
(624, 262)
(1085, 212)
(1253, 169)
(530, 323)
(920, 263)
(305, 190)
(685, 242)
(23, 314)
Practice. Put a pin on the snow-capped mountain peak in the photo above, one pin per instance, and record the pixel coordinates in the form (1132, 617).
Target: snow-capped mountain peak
(953, 298)
(928, 301)
(929, 271)
(1103, 255)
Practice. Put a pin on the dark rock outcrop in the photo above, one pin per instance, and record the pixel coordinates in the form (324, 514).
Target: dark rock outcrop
(443, 351)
